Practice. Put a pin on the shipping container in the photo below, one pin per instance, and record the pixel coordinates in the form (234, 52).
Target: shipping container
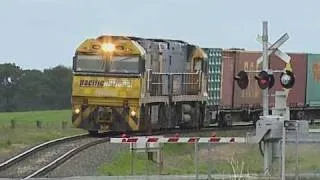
(228, 58)
(214, 62)
(251, 96)
(296, 96)
(313, 80)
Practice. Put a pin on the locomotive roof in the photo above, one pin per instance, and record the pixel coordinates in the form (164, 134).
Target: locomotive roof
(140, 38)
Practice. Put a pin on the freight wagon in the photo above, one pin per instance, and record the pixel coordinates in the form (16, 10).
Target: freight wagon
(228, 103)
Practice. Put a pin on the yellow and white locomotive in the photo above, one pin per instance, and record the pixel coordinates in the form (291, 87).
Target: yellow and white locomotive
(125, 83)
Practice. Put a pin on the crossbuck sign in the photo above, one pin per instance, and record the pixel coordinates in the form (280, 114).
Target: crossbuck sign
(274, 48)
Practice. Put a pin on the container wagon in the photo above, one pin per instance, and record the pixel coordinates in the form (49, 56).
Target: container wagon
(227, 103)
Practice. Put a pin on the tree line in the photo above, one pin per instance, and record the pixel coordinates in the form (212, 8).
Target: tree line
(26, 90)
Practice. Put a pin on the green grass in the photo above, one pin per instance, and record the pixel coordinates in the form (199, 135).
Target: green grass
(32, 116)
(26, 133)
(179, 159)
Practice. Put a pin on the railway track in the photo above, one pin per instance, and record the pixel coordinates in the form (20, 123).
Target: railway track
(43, 158)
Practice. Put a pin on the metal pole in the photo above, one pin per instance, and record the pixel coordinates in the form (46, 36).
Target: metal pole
(196, 159)
(265, 66)
(131, 146)
(267, 158)
(265, 100)
(209, 160)
(283, 154)
(297, 151)
(147, 161)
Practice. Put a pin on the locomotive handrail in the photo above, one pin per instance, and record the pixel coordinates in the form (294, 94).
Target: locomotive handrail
(178, 73)
(162, 84)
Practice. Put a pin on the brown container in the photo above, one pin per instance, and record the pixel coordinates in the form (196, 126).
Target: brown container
(299, 66)
(227, 79)
(251, 96)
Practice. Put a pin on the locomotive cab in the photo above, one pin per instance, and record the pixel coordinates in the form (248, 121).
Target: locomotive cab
(107, 84)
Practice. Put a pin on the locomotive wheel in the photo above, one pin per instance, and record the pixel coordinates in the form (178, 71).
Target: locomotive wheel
(93, 133)
(147, 119)
(221, 120)
(228, 120)
(300, 115)
(145, 123)
(162, 116)
(202, 116)
(225, 120)
(255, 118)
(197, 116)
(293, 115)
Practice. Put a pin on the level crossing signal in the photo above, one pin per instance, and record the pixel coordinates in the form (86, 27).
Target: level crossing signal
(287, 79)
(242, 79)
(265, 80)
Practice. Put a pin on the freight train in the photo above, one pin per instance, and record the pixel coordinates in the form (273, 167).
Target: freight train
(125, 83)
(138, 84)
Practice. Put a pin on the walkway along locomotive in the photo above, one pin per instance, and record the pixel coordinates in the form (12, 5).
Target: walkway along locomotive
(136, 84)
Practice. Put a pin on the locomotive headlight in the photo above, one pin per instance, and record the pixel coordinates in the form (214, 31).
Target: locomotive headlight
(205, 94)
(133, 113)
(77, 111)
(108, 47)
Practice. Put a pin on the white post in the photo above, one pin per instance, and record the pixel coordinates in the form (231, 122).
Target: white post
(131, 166)
(147, 160)
(267, 157)
(265, 100)
(265, 66)
(297, 151)
(283, 154)
(196, 154)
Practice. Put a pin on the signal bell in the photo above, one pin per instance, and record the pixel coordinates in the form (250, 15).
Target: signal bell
(265, 80)
(287, 79)
(242, 79)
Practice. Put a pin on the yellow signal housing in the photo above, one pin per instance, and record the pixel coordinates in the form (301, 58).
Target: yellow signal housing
(288, 67)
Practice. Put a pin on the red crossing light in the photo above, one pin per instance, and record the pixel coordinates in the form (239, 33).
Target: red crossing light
(242, 79)
(265, 80)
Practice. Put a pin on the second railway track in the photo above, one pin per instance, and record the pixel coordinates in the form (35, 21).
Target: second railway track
(39, 160)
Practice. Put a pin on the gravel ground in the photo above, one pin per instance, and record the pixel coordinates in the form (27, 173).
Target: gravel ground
(41, 158)
(5, 155)
(86, 163)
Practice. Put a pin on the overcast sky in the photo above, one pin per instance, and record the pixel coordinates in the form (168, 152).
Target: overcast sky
(44, 33)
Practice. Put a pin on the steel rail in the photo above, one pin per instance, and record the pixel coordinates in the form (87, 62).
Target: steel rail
(55, 163)
(6, 164)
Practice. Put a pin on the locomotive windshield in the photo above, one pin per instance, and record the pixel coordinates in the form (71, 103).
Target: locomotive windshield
(117, 64)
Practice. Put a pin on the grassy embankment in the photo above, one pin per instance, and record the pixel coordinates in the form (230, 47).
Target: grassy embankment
(179, 159)
(26, 133)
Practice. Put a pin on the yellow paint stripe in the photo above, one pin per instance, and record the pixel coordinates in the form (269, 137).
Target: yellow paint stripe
(83, 115)
(288, 67)
(132, 124)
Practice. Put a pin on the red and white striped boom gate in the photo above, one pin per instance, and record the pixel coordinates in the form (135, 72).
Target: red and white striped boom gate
(141, 139)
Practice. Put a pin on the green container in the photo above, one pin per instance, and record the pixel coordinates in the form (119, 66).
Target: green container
(214, 75)
(313, 80)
